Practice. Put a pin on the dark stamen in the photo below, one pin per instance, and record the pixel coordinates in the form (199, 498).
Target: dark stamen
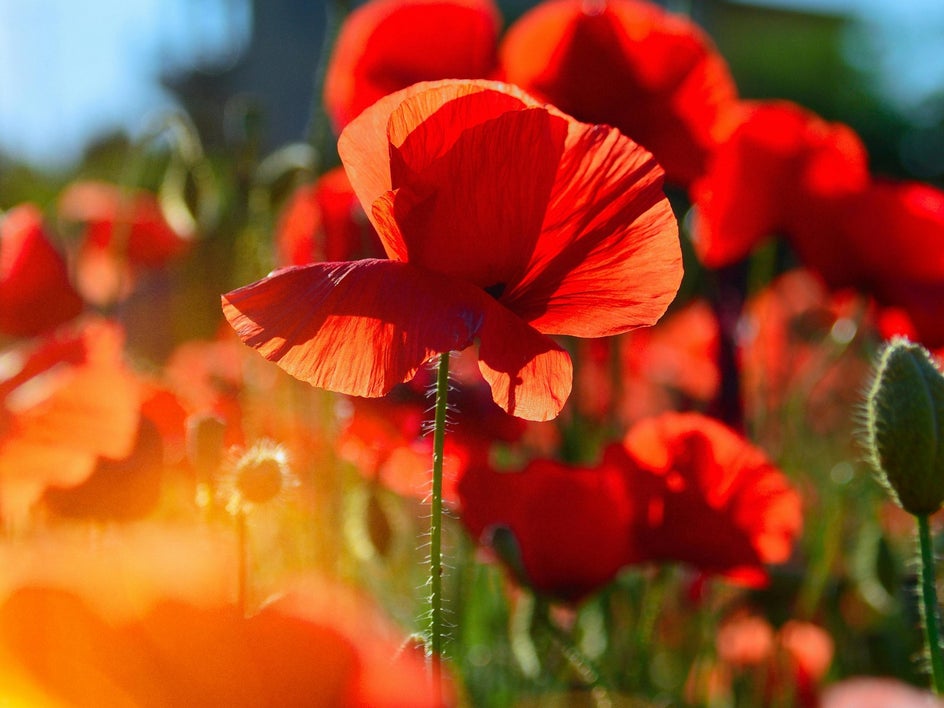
(495, 290)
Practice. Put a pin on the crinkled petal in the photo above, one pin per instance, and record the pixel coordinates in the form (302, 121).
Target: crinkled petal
(608, 258)
(357, 327)
(470, 217)
(366, 144)
(362, 327)
(530, 375)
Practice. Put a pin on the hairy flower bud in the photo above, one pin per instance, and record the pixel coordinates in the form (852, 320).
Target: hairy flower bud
(905, 426)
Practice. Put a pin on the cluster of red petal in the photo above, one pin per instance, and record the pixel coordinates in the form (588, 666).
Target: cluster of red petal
(324, 222)
(387, 45)
(35, 292)
(627, 63)
(680, 488)
(707, 497)
(504, 221)
(131, 223)
(122, 232)
(785, 171)
(65, 401)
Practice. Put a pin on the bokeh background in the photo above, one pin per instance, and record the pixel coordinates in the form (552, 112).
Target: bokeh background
(76, 76)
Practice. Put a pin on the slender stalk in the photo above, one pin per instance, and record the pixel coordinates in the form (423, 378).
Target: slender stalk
(434, 642)
(930, 613)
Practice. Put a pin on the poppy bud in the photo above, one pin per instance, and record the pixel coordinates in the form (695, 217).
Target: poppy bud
(905, 426)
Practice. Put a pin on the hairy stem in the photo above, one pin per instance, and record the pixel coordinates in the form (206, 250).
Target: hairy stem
(930, 614)
(434, 641)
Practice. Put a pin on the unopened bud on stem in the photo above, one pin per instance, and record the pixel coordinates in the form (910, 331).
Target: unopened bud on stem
(905, 426)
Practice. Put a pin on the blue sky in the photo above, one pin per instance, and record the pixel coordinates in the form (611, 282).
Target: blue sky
(70, 70)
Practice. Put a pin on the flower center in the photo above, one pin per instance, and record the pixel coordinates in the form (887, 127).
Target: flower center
(495, 290)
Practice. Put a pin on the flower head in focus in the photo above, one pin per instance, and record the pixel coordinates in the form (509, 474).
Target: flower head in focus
(504, 221)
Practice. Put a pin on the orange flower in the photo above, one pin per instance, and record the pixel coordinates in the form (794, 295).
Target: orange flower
(147, 620)
(627, 63)
(64, 402)
(387, 45)
(35, 292)
(504, 221)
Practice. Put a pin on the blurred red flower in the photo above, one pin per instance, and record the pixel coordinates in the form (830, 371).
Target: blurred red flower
(668, 366)
(780, 161)
(129, 488)
(786, 172)
(790, 662)
(705, 496)
(65, 401)
(325, 222)
(562, 529)
(627, 63)
(36, 294)
(122, 230)
(504, 221)
(387, 45)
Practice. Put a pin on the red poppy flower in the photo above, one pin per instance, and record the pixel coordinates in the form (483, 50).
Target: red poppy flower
(122, 232)
(770, 178)
(132, 223)
(504, 222)
(387, 45)
(35, 292)
(706, 497)
(64, 402)
(627, 63)
(568, 526)
(905, 272)
(324, 222)
(130, 487)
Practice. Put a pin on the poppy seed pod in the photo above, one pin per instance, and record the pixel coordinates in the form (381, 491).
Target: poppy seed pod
(905, 426)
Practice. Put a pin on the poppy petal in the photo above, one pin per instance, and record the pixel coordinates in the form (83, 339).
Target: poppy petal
(491, 209)
(356, 327)
(365, 144)
(609, 243)
(530, 375)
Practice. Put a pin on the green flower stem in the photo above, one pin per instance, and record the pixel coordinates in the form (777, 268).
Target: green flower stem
(930, 613)
(435, 638)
